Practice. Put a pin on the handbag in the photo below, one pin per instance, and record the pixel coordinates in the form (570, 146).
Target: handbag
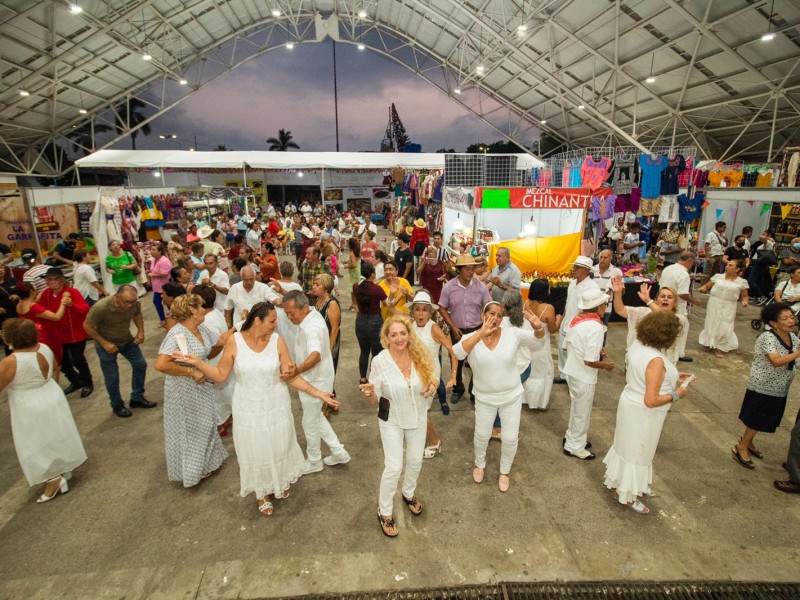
(671, 236)
(137, 270)
(766, 257)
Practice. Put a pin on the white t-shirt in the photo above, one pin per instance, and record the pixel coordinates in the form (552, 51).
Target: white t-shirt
(253, 239)
(216, 322)
(239, 299)
(716, 243)
(487, 364)
(219, 278)
(677, 277)
(584, 342)
(604, 281)
(631, 238)
(82, 278)
(312, 336)
(788, 290)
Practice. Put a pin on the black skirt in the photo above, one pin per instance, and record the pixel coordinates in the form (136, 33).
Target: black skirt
(761, 411)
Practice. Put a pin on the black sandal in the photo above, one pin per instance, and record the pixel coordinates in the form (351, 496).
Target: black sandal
(387, 524)
(747, 464)
(414, 505)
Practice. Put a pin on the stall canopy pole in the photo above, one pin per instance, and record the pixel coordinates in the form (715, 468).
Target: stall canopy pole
(78, 175)
(322, 188)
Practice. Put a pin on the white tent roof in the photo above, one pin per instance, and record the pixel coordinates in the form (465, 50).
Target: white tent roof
(153, 159)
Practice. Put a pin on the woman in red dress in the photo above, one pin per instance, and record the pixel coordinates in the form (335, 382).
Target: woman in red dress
(46, 321)
(431, 272)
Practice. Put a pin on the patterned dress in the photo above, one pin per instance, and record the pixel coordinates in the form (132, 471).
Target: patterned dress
(193, 447)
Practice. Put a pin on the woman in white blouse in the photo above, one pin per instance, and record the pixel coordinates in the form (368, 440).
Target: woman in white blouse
(402, 382)
(492, 351)
(789, 290)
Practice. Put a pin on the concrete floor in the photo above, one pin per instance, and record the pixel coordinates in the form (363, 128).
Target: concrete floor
(125, 531)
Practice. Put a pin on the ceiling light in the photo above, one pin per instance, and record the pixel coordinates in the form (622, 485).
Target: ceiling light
(24, 93)
(75, 9)
(299, 173)
(183, 82)
(522, 28)
(650, 79)
(458, 224)
(276, 12)
(362, 14)
(543, 121)
(529, 229)
(361, 46)
(290, 46)
(191, 149)
(480, 68)
(156, 174)
(767, 37)
(146, 56)
(83, 111)
(581, 107)
(162, 136)
(457, 91)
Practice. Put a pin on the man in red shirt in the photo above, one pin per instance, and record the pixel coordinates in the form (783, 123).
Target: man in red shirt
(273, 228)
(238, 244)
(70, 329)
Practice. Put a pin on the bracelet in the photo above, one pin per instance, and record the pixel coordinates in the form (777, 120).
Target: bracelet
(649, 303)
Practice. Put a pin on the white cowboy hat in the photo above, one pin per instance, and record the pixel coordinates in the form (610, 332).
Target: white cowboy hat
(583, 261)
(205, 231)
(592, 299)
(423, 297)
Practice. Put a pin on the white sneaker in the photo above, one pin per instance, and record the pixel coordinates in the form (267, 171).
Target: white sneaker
(342, 458)
(312, 467)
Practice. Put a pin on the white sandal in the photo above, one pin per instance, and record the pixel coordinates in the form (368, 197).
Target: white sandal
(432, 451)
(638, 507)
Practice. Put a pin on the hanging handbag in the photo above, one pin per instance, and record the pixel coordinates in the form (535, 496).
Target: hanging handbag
(671, 236)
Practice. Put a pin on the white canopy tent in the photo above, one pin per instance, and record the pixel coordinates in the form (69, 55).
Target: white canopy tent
(176, 159)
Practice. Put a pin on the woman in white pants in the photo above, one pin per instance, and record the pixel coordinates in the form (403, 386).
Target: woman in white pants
(402, 382)
(492, 352)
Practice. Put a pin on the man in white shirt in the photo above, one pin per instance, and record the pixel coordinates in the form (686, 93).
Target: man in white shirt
(747, 232)
(216, 278)
(505, 276)
(84, 279)
(602, 273)
(581, 282)
(244, 295)
(313, 362)
(632, 243)
(678, 278)
(715, 245)
(585, 357)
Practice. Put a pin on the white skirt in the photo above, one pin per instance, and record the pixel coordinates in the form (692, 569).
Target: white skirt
(629, 462)
(537, 390)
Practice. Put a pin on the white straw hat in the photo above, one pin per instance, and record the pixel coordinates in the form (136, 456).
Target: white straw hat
(592, 299)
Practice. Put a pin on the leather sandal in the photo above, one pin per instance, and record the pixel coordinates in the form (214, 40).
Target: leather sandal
(414, 505)
(387, 526)
(757, 453)
(477, 474)
(503, 483)
(747, 464)
(265, 507)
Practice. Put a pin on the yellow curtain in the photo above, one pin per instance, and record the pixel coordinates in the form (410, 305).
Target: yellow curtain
(545, 255)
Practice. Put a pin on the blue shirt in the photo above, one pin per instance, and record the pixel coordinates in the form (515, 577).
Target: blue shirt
(651, 174)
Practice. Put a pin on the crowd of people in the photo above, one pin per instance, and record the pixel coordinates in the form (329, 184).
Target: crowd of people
(242, 325)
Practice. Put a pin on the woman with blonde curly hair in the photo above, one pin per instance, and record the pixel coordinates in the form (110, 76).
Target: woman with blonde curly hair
(401, 382)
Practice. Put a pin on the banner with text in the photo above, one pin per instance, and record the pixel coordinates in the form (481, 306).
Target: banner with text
(557, 198)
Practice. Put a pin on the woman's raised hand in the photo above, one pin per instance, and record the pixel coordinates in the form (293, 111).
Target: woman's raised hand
(535, 321)
(617, 284)
(644, 293)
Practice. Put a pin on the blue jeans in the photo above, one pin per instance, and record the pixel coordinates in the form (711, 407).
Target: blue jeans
(523, 377)
(108, 364)
(159, 306)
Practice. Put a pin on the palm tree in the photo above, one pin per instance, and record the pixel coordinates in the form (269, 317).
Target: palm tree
(221, 148)
(128, 116)
(283, 142)
(81, 137)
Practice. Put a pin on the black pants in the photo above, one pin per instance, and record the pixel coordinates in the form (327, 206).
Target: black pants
(459, 387)
(368, 334)
(74, 365)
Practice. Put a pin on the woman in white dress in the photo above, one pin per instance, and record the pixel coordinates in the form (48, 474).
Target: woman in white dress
(540, 382)
(725, 289)
(402, 384)
(270, 459)
(492, 355)
(434, 339)
(45, 437)
(667, 299)
(652, 385)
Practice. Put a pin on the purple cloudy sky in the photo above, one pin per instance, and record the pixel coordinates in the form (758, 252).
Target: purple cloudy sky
(294, 90)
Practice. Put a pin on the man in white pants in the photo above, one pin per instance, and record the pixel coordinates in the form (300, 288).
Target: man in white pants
(580, 283)
(312, 355)
(585, 356)
(678, 278)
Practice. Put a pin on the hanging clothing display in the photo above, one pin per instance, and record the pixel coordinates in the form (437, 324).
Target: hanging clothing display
(734, 177)
(715, 178)
(791, 172)
(690, 208)
(575, 173)
(623, 176)
(651, 174)
(764, 178)
(685, 176)
(700, 179)
(594, 173)
(565, 175)
(650, 207)
(668, 212)
(669, 176)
